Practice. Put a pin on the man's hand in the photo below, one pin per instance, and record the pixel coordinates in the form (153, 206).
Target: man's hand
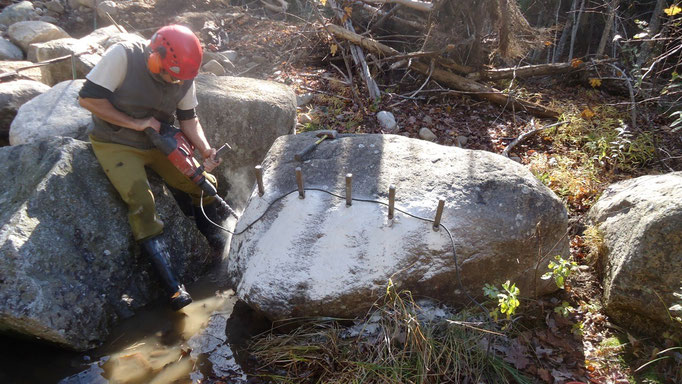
(210, 162)
(142, 124)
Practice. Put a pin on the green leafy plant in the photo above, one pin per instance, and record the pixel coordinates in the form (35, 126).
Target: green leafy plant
(564, 309)
(507, 298)
(560, 269)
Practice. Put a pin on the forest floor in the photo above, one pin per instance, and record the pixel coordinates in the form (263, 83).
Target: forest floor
(555, 339)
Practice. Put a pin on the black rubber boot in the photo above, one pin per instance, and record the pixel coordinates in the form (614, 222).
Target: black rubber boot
(214, 235)
(158, 254)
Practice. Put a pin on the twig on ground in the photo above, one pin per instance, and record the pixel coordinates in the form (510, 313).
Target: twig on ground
(528, 134)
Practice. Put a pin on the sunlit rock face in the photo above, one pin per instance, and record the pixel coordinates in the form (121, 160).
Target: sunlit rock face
(69, 267)
(249, 115)
(317, 256)
(641, 222)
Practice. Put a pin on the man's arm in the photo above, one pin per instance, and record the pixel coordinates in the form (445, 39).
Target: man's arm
(195, 133)
(103, 109)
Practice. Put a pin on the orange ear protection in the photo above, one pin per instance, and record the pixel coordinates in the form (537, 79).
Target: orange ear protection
(155, 61)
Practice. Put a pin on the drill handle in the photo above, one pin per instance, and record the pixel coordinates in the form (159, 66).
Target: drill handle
(222, 150)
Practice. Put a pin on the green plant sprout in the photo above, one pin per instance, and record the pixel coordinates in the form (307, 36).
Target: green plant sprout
(564, 309)
(507, 299)
(560, 269)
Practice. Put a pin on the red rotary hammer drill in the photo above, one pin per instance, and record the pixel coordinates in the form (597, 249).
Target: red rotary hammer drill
(175, 145)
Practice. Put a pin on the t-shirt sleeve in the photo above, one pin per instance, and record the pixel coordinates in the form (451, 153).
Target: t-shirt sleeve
(111, 69)
(189, 101)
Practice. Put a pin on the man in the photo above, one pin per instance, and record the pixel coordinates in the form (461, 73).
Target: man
(133, 87)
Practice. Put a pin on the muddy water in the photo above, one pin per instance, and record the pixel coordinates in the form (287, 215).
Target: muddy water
(151, 347)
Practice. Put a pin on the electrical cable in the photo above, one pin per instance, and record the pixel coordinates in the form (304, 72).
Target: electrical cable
(452, 240)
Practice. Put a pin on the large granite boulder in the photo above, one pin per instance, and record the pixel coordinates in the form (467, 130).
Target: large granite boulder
(69, 267)
(641, 221)
(249, 115)
(316, 256)
(13, 95)
(54, 113)
(25, 33)
(87, 53)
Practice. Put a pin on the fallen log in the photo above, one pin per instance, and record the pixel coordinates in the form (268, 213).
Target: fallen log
(525, 71)
(448, 78)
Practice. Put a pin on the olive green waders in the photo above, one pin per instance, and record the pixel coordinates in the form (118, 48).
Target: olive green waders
(125, 168)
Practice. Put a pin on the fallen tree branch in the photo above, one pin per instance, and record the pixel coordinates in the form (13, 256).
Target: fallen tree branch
(446, 77)
(528, 134)
(414, 4)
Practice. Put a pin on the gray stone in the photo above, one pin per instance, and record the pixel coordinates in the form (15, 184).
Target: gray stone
(220, 58)
(462, 141)
(25, 33)
(213, 67)
(49, 19)
(54, 113)
(249, 115)
(230, 55)
(101, 36)
(55, 6)
(82, 3)
(318, 257)
(304, 99)
(16, 12)
(122, 37)
(387, 121)
(641, 221)
(69, 267)
(14, 94)
(105, 7)
(9, 51)
(426, 134)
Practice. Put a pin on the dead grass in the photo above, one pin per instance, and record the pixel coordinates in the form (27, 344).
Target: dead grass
(393, 344)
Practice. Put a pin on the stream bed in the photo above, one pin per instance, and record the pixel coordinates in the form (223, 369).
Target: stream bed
(157, 345)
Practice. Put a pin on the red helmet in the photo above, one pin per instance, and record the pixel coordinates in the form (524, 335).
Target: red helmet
(178, 50)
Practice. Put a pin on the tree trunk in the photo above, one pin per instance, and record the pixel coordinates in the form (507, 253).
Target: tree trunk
(556, 23)
(504, 28)
(567, 29)
(654, 26)
(613, 7)
(574, 32)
